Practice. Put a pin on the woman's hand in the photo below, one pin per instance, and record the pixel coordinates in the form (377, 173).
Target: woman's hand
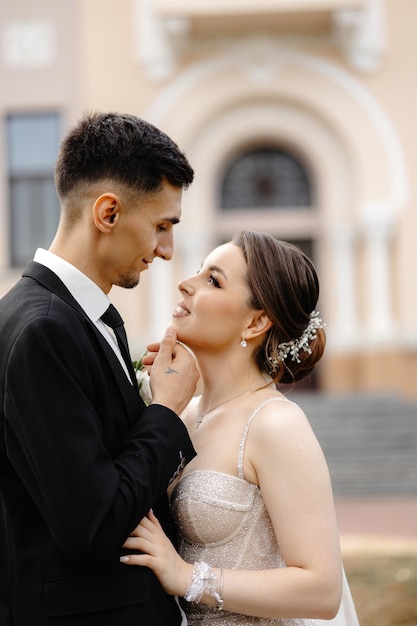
(159, 555)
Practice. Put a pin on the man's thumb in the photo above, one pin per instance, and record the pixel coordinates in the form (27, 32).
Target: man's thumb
(170, 336)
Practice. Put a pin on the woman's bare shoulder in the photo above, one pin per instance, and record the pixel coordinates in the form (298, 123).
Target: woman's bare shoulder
(279, 419)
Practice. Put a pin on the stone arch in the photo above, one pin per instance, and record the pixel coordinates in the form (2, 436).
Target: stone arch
(263, 70)
(342, 132)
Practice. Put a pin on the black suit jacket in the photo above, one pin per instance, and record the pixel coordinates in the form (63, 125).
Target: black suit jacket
(81, 462)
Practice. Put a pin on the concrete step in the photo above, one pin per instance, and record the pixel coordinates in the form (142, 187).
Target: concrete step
(370, 441)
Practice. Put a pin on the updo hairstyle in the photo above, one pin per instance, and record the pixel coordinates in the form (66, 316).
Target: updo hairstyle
(283, 283)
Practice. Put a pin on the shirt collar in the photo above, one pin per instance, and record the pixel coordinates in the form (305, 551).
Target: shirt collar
(88, 295)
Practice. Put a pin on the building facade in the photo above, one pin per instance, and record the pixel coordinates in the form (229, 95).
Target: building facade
(298, 117)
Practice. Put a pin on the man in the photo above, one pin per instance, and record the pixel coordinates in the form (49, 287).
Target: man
(82, 459)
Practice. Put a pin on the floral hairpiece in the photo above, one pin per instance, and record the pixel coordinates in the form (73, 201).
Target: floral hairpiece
(293, 347)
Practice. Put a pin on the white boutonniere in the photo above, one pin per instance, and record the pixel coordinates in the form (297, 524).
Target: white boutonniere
(144, 381)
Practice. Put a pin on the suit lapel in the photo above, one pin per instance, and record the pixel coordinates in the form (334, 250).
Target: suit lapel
(53, 283)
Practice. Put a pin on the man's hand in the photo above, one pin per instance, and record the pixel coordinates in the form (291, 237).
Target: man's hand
(174, 373)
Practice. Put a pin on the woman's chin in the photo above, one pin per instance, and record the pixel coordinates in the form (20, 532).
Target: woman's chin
(177, 327)
(180, 335)
(180, 330)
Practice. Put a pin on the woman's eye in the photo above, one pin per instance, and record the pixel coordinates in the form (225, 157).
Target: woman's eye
(213, 281)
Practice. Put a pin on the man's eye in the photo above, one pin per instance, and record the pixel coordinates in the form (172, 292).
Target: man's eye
(213, 281)
(162, 228)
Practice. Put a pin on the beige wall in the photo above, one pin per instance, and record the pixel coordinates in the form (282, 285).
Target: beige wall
(38, 72)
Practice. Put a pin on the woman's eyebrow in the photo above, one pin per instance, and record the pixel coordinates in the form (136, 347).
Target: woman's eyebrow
(215, 268)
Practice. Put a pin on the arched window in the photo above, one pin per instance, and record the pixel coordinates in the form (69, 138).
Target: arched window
(264, 178)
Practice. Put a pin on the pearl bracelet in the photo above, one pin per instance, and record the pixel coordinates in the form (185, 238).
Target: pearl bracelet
(204, 580)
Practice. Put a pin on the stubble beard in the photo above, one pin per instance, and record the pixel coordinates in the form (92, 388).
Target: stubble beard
(128, 281)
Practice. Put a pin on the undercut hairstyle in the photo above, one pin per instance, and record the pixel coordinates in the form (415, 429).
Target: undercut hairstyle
(283, 282)
(121, 148)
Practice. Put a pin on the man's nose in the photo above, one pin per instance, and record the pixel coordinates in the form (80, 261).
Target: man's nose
(165, 247)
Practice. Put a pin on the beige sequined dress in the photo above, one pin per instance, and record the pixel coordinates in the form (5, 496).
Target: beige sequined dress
(222, 520)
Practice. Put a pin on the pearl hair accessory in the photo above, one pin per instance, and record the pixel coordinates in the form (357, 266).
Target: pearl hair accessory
(293, 347)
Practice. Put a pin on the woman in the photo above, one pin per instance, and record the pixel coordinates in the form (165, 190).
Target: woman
(258, 537)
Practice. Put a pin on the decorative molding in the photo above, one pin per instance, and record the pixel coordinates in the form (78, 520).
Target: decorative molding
(360, 35)
(28, 44)
(335, 75)
(156, 40)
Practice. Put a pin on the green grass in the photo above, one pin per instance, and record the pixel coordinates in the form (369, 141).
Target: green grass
(384, 587)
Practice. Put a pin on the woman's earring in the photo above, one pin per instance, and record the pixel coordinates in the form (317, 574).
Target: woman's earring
(243, 343)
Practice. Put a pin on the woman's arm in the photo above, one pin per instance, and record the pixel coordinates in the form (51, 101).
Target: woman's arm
(283, 456)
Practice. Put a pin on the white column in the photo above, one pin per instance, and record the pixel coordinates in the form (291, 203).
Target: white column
(378, 287)
(344, 327)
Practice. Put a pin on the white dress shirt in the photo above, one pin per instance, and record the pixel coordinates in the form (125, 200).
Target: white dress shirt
(89, 296)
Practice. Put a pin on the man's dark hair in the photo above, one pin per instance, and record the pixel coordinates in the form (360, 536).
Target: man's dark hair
(123, 148)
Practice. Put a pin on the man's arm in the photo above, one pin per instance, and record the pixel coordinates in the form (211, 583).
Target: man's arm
(54, 437)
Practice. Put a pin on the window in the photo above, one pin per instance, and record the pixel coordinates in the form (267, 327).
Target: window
(32, 148)
(265, 178)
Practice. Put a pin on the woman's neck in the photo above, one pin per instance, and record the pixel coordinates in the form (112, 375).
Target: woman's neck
(222, 381)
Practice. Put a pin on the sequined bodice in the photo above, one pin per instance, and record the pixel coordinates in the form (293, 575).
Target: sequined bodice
(222, 520)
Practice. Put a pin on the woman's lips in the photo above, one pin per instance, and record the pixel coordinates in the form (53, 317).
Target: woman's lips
(181, 311)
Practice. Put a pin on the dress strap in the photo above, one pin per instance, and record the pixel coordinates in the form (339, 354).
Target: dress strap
(246, 430)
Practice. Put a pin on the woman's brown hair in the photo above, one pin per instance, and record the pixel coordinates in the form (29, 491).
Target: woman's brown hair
(283, 283)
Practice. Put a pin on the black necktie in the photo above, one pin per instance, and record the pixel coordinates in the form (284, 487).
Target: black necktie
(111, 317)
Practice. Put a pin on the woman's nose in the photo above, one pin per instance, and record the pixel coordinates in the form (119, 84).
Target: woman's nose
(185, 286)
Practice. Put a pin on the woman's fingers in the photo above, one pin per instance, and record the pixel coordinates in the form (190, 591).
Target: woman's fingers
(132, 541)
(152, 519)
(136, 559)
(157, 553)
(147, 535)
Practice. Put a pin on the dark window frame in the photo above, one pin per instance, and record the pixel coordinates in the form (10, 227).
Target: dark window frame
(266, 177)
(32, 200)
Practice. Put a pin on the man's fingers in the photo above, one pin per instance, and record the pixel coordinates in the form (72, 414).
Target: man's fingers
(149, 357)
(152, 347)
(166, 344)
(170, 336)
(168, 341)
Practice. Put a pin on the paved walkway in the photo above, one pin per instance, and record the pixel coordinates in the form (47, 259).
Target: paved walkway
(377, 523)
(370, 443)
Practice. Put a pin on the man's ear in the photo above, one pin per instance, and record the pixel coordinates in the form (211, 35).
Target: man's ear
(106, 212)
(259, 325)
